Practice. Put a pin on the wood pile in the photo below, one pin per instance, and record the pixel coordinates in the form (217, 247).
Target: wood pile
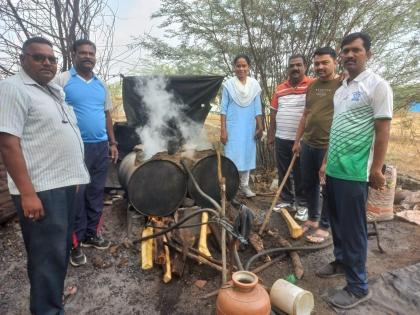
(7, 209)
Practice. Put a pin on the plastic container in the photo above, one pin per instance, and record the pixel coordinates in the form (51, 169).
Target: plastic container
(290, 298)
(380, 204)
(243, 296)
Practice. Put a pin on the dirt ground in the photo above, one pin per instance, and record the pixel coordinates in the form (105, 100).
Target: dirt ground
(113, 283)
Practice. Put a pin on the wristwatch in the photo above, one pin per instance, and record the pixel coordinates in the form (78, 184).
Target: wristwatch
(113, 143)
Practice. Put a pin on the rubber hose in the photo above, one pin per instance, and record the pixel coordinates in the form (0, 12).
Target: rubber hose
(213, 202)
(188, 217)
(284, 249)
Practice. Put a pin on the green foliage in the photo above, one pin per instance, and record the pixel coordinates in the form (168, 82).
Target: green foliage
(405, 95)
(203, 36)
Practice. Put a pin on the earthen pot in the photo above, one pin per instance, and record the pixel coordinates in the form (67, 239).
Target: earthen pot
(243, 296)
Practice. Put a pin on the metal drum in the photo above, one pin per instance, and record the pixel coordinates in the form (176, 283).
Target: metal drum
(205, 173)
(155, 187)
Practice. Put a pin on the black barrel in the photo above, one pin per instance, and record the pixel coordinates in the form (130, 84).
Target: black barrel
(205, 173)
(154, 187)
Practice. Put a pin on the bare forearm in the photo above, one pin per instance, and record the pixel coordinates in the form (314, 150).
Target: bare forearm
(382, 129)
(272, 128)
(223, 122)
(15, 163)
(259, 122)
(109, 127)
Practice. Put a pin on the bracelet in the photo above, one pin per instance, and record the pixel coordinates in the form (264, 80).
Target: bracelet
(113, 143)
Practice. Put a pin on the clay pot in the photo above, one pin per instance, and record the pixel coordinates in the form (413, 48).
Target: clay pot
(243, 296)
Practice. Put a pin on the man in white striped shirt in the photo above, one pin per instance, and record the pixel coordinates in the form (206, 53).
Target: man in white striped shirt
(287, 105)
(43, 153)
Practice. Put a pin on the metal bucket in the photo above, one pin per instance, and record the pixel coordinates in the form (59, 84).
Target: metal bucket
(154, 187)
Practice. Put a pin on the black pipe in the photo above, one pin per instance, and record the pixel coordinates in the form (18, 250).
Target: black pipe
(186, 218)
(212, 201)
(284, 249)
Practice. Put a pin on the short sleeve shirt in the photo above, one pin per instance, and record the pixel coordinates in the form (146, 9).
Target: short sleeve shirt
(289, 102)
(320, 109)
(47, 128)
(89, 99)
(356, 106)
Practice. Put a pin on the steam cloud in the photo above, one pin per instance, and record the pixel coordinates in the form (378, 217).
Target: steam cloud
(167, 126)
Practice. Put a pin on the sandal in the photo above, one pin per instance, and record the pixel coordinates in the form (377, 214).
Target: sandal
(308, 228)
(317, 238)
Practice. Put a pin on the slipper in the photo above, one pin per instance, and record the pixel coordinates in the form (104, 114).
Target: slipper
(69, 292)
(317, 238)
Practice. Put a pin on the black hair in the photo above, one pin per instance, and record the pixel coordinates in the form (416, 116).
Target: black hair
(367, 42)
(81, 42)
(327, 50)
(247, 59)
(35, 40)
(295, 56)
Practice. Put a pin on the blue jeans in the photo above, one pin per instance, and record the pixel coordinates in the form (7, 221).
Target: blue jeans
(90, 197)
(311, 161)
(347, 210)
(48, 244)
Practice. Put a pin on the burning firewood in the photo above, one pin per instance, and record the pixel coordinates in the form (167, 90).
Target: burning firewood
(167, 275)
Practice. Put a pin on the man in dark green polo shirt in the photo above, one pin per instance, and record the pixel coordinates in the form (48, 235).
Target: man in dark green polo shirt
(315, 127)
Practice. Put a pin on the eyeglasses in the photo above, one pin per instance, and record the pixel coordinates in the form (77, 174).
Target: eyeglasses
(41, 58)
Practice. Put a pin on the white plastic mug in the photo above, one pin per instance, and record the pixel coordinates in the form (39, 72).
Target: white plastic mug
(291, 299)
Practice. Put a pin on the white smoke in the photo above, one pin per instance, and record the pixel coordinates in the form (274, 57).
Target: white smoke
(162, 109)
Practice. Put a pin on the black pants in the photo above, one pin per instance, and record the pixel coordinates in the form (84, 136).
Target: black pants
(347, 212)
(48, 244)
(90, 197)
(284, 156)
(311, 161)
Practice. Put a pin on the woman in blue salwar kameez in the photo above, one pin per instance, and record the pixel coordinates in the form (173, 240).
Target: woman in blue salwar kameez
(241, 122)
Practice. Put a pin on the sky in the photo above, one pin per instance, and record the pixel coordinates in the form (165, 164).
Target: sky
(133, 19)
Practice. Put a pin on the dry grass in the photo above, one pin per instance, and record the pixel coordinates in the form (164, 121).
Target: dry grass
(404, 144)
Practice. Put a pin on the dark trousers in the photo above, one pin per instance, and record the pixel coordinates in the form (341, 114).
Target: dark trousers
(48, 244)
(347, 213)
(90, 197)
(284, 156)
(311, 161)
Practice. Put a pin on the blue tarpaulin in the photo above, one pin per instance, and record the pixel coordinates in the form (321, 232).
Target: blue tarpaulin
(415, 107)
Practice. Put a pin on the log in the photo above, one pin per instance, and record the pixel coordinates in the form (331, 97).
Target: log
(258, 245)
(295, 229)
(178, 264)
(296, 262)
(159, 256)
(197, 258)
(167, 274)
(215, 232)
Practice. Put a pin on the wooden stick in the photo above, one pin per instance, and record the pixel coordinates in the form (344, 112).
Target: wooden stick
(222, 184)
(276, 197)
(198, 259)
(267, 264)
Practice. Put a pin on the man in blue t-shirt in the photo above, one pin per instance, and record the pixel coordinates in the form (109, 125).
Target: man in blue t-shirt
(90, 100)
